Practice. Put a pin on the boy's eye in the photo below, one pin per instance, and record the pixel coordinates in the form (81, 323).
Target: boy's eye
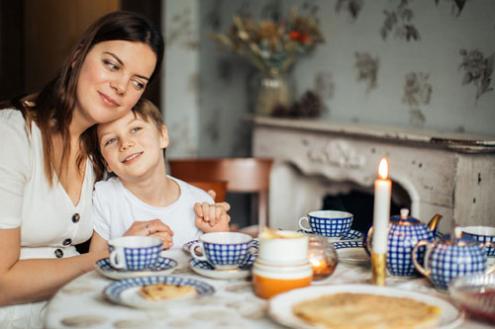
(138, 85)
(109, 141)
(110, 65)
(135, 129)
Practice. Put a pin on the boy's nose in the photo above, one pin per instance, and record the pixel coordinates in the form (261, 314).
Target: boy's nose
(126, 145)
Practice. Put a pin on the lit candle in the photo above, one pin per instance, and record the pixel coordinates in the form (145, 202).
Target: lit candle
(381, 208)
(381, 214)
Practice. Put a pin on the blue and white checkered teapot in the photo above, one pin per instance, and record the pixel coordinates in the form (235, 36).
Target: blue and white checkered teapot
(446, 260)
(403, 234)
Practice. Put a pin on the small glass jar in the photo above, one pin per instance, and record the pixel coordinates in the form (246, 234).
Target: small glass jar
(270, 280)
(322, 257)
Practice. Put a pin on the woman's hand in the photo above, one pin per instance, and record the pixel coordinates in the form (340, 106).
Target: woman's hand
(154, 227)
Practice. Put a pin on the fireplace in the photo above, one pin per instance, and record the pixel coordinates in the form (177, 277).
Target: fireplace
(450, 174)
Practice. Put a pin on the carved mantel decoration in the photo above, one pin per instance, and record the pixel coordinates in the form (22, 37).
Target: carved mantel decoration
(451, 174)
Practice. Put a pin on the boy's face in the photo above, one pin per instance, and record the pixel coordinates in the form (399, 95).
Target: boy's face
(132, 147)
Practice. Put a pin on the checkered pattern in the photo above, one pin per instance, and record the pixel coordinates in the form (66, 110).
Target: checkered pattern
(488, 239)
(137, 259)
(229, 254)
(207, 266)
(162, 264)
(330, 227)
(114, 290)
(451, 261)
(352, 235)
(348, 244)
(402, 237)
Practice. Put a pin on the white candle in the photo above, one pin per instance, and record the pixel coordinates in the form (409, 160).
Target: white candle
(381, 208)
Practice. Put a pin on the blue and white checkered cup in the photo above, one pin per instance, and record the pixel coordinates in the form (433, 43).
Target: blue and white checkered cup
(329, 223)
(134, 253)
(224, 250)
(482, 234)
(447, 260)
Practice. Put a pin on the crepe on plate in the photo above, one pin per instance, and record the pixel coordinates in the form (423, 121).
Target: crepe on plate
(161, 291)
(367, 311)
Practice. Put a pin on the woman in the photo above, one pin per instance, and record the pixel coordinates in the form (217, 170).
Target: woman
(46, 178)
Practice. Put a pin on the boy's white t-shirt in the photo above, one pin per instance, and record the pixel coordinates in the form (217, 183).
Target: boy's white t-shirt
(115, 208)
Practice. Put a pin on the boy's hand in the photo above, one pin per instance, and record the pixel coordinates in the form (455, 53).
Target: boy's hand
(212, 217)
(154, 227)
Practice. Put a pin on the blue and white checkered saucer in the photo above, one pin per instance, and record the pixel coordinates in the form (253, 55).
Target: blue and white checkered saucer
(351, 235)
(163, 266)
(126, 292)
(206, 269)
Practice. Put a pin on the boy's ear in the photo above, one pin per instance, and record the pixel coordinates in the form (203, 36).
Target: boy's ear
(164, 137)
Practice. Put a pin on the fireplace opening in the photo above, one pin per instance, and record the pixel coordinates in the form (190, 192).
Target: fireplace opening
(359, 202)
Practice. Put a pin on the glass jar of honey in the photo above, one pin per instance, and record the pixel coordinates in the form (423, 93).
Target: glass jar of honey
(322, 257)
(270, 280)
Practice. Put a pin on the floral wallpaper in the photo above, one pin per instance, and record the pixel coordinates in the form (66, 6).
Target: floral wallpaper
(419, 63)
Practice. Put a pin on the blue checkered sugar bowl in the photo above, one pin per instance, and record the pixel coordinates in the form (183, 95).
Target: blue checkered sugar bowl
(404, 233)
(446, 260)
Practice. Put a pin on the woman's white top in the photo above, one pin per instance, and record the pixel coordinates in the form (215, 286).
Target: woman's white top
(50, 223)
(116, 208)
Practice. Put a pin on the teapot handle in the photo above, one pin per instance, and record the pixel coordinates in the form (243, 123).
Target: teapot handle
(423, 270)
(367, 246)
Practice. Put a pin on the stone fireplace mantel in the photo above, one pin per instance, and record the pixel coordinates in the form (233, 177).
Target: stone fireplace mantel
(451, 174)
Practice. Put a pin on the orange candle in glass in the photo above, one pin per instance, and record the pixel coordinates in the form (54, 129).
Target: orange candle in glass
(322, 257)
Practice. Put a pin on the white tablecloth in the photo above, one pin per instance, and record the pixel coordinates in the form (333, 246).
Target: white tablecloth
(81, 304)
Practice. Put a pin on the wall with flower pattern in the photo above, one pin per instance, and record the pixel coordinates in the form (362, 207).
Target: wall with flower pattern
(417, 63)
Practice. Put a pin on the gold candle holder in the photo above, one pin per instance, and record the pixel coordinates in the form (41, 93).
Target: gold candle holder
(378, 268)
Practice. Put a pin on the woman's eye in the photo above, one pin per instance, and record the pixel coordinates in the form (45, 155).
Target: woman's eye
(138, 85)
(110, 65)
(109, 142)
(135, 129)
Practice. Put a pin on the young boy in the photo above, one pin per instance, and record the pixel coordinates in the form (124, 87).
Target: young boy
(142, 199)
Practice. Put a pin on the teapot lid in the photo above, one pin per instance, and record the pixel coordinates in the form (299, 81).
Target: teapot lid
(404, 218)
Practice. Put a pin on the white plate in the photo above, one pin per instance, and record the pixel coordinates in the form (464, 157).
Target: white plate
(205, 269)
(281, 305)
(164, 266)
(126, 292)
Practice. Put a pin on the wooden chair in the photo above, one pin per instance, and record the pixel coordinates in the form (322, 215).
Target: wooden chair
(219, 186)
(243, 175)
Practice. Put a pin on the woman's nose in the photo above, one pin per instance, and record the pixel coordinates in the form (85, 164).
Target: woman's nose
(119, 85)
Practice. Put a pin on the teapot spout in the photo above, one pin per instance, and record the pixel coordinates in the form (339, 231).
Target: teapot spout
(433, 223)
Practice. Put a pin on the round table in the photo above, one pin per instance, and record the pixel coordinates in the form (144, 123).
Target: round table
(81, 303)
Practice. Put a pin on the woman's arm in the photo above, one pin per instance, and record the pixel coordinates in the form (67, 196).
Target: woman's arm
(31, 280)
(97, 243)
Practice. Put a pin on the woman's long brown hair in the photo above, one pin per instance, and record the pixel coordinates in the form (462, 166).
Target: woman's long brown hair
(53, 107)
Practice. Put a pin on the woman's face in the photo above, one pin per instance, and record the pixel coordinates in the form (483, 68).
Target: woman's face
(113, 77)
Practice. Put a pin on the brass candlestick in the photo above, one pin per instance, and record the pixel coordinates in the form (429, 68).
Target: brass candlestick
(378, 268)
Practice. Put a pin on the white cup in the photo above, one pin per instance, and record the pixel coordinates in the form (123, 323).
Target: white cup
(283, 248)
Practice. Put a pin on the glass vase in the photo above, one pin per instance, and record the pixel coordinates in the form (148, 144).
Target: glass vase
(273, 92)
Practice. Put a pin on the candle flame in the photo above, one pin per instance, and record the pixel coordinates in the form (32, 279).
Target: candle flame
(383, 169)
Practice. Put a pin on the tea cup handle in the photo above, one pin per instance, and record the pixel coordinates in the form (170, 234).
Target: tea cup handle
(117, 259)
(304, 224)
(423, 270)
(253, 247)
(490, 269)
(192, 250)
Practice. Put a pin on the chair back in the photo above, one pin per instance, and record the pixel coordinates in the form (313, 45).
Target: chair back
(243, 175)
(219, 186)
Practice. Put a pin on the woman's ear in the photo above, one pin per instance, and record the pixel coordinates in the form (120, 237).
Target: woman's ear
(164, 137)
